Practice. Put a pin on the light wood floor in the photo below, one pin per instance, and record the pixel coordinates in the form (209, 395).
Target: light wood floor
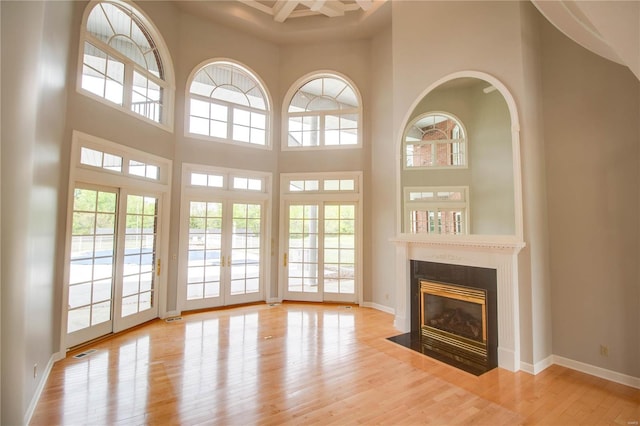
(306, 364)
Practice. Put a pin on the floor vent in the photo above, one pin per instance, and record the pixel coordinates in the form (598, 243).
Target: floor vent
(172, 319)
(85, 353)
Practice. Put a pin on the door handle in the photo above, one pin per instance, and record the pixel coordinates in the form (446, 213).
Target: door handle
(285, 260)
(158, 268)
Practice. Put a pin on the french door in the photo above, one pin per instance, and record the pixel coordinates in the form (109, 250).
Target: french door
(222, 259)
(320, 255)
(113, 263)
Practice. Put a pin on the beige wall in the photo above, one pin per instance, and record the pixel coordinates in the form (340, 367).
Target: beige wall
(591, 110)
(379, 272)
(489, 37)
(567, 100)
(33, 135)
(533, 266)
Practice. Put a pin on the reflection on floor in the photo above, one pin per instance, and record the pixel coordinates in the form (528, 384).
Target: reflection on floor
(300, 364)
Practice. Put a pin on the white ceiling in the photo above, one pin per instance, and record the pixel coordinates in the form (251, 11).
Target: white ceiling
(610, 29)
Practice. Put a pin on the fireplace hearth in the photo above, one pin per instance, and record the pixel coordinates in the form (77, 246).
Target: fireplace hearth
(453, 315)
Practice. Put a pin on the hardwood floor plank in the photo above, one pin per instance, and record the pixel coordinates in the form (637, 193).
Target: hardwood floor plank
(306, 364)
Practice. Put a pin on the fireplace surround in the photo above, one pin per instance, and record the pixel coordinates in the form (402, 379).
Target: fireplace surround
(498, 255)
(453, 315)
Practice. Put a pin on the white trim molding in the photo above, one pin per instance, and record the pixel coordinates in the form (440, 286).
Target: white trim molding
(41, 384)
(603, 373)
(499, 254)
(379, 307)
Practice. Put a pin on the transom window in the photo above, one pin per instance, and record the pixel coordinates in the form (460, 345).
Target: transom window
(323, 112)
(435, 140)
(437, 210)
(98, 155)
(228, 103)
(124, 62)
(225, 179)
(294, 185)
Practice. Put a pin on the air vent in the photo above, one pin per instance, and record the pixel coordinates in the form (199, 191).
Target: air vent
(172, 319)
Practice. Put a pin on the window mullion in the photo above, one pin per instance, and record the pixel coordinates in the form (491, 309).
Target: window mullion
(128, 86)
(230, 113)
(321, 226)
(321, 129)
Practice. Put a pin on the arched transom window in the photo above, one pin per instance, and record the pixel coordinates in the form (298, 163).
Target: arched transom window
(227, 102)
(124, 61)
(323, 112)
(435, 140)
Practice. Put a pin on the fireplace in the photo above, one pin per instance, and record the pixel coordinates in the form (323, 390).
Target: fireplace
(486, 263)
(453, 322)
(453, 315)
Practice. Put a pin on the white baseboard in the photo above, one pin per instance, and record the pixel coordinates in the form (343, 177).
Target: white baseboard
(43, 381)
(538, 366)
(509, 359)
(170, 314)
(603, 373)
(379, 307)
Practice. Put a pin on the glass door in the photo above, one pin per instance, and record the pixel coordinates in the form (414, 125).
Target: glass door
(339, 252)
(136, 277)
(223, 253)
(112, 266)
(91, 266)
(245, 253)
(301, 258)
(320, 252)
(204, 254)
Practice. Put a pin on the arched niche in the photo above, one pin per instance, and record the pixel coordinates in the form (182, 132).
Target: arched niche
(491, 174)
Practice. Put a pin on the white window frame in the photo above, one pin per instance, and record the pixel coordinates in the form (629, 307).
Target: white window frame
(168, 84)
(85, 174)
(321, 196)
(435, 143)
(224, 193)
(320, 114)
(436, 205)
(230, 106)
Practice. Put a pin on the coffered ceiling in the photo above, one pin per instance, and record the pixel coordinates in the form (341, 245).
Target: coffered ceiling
(296, 21)
(281, 10)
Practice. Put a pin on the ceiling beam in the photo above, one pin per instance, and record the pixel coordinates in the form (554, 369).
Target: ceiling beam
(283, 8)
(330, 8)
(261, 7)
(365, 4)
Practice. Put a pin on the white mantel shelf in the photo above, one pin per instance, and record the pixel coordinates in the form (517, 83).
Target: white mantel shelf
(506, 245)
(495, 252)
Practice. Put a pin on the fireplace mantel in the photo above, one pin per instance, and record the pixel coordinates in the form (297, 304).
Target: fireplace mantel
(499, 253)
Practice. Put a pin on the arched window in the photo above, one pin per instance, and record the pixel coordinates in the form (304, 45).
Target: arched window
(323, 112)
(435, 140)
(228, 103)
(125, 62)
